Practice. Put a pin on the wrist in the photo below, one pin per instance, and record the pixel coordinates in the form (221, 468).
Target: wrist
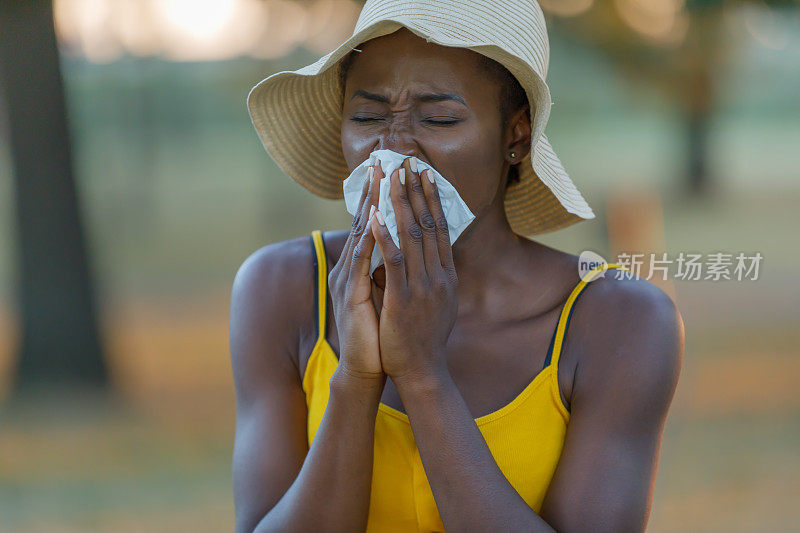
(425, 382)
(362, 384)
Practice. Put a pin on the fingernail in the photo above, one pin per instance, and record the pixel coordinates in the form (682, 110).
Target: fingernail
(370, 172)
(413, 163)
(371, 211)
(379, 216)
(428, 173)
(402, 176)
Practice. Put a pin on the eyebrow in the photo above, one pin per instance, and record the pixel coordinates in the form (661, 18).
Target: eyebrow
(422, 97)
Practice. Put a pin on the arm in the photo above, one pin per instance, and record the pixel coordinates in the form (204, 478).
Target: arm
(605, 476)
(278, 482)
(629, 342)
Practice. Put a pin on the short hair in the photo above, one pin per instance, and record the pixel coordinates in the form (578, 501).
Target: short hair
(511, 95)
(512, 98)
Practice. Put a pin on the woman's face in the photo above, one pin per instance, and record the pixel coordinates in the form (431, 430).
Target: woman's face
(460, 135)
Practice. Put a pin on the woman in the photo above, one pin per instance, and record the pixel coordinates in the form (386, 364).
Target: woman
(443, 391)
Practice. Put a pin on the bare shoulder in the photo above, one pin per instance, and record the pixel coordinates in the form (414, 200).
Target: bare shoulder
(631, 336)
(619, 292)
(271, 304)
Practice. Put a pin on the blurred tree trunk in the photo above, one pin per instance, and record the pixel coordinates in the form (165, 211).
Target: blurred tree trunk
(60, 337)
(698, 112)
(698, 177)
(700, 92)
(686, 73)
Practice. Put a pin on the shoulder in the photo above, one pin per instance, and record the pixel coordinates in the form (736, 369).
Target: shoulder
(632, 339)
(274, 270)
(273, 294)
(278, 261)
(271, 300)
(621, 295)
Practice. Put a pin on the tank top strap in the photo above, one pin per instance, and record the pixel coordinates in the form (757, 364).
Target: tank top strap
(320, 281)
(557, 341)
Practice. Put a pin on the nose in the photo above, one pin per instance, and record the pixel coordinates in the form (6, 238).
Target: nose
(399, 138)
(407, 149)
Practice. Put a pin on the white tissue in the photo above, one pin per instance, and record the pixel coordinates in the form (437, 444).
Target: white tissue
(456, 212)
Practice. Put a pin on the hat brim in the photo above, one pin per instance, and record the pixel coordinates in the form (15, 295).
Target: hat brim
(297, 116)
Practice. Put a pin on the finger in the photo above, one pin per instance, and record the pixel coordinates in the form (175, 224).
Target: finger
(348, 244)
(409, 233)
(419, 204)
(378, 170)
(393, 258)
(362, 254)
(442, 228)
(359, 220)
(374, 194)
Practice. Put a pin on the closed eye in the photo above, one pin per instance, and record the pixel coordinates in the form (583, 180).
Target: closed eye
(442, 122)
(433, 122)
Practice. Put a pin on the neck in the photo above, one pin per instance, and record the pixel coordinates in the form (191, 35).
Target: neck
(488, 255)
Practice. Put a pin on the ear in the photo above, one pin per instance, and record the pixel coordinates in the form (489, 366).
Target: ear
(518, 133)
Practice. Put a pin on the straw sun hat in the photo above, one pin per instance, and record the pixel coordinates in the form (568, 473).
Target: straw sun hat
(297, 113)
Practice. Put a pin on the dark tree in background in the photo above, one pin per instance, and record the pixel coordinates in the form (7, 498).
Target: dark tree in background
(60, 337)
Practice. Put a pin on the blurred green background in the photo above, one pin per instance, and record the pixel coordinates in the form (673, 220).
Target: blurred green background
(680, 122)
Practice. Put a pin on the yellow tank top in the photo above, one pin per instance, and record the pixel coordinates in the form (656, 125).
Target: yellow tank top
(525, 436)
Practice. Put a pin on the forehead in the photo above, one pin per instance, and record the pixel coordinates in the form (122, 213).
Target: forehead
(403, 58)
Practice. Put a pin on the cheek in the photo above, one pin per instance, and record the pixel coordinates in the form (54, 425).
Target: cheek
(355, 147)
(471, 164)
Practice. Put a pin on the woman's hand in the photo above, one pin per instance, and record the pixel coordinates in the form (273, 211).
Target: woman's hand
(351, 291)
(420, 299)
